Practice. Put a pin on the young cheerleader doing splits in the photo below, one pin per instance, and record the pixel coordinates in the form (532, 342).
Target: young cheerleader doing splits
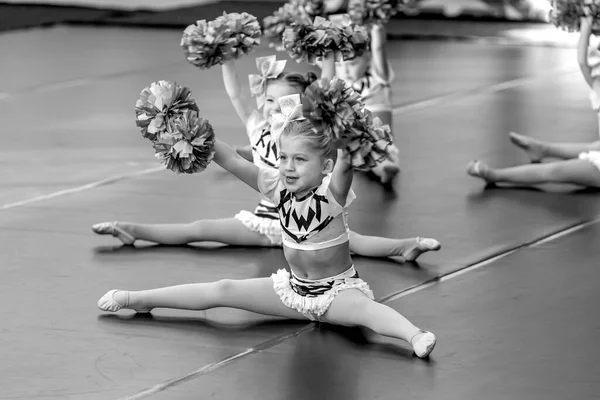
(262, 227)
(323, 284)
(580, 164)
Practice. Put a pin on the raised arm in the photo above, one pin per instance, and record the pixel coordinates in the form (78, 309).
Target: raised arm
(328, 66)
(341, 178)
(582, 49)
(227, 158)
(242, 103)
(378, 51)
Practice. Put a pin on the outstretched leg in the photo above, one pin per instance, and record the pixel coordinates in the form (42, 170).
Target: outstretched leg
(537, 150)
(354, 308)
(228, 231)
(375, 246)
(578, 172)
(256, 295)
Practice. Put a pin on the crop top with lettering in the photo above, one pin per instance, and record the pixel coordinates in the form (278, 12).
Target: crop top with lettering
(316, 221)
(264, 155)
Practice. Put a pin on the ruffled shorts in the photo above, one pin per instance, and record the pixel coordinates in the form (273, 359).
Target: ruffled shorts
(312, 298)
(271, 228)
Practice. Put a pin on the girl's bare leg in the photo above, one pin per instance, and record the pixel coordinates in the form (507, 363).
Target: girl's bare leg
(375, 246)
(578, 172)
(228, 231)
(537, 150)
(354, 308)
(256, 295)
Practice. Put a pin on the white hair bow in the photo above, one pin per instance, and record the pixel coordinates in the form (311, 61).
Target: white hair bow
(268, 68)
(291, 110)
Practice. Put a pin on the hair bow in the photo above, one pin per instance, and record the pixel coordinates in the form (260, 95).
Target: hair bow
(269, 68)
(291, 110)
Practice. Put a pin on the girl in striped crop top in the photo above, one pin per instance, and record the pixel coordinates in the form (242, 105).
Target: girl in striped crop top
(312, 191)
(261, 227)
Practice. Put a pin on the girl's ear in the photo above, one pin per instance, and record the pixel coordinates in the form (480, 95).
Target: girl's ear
(328, 165)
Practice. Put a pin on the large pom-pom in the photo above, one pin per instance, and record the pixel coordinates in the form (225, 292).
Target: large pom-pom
(245, 32)
(158, 104)
(331, 107)
(365, 12)
(188, 144)
(308, 42)
(567, 14)
(228, 37)
(367, 142)
(351, 39)
(286, 16)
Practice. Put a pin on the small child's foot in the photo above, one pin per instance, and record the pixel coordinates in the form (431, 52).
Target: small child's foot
(531, 146)
(115, 299)
(422, 245)
(423, 343)
(111, 228)
(479, 169)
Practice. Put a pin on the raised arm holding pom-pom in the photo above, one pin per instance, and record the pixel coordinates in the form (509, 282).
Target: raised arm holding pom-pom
(321, 283)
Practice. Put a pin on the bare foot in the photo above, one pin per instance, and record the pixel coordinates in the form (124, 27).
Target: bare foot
(112, 228)
(532, 147)
(422, 245)
(479, 169)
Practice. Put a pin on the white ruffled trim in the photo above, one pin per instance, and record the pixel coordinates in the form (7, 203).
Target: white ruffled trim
(591, 156)
(271, 228)
(313, 307)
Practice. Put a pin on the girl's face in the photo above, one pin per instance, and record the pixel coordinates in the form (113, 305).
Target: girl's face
(301, 168)
(351, 71)
(275, 90)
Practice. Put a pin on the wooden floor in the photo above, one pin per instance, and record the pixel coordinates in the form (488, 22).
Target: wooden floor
(522, 326)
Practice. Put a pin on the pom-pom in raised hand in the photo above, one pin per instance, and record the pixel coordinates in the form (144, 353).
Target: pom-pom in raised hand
(367, 142)
(332, 107)
(158, 104)
(567, 14)
(188, 144)
(366, 12)
(228, 37)
(308, 42)
(286, 16)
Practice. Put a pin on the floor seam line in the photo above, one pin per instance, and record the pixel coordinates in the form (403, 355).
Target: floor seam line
(488, 260)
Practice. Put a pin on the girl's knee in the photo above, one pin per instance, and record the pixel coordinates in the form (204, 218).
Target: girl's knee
(225, 287)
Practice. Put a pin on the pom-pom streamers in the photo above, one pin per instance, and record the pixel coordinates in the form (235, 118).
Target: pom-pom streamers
(353, 38)
(310, 41)
(228, 37)
(367, 142)
(286, 16)
(188, 144)
(158, 104)
(567, 14)
(372, 11)
(331, 107)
